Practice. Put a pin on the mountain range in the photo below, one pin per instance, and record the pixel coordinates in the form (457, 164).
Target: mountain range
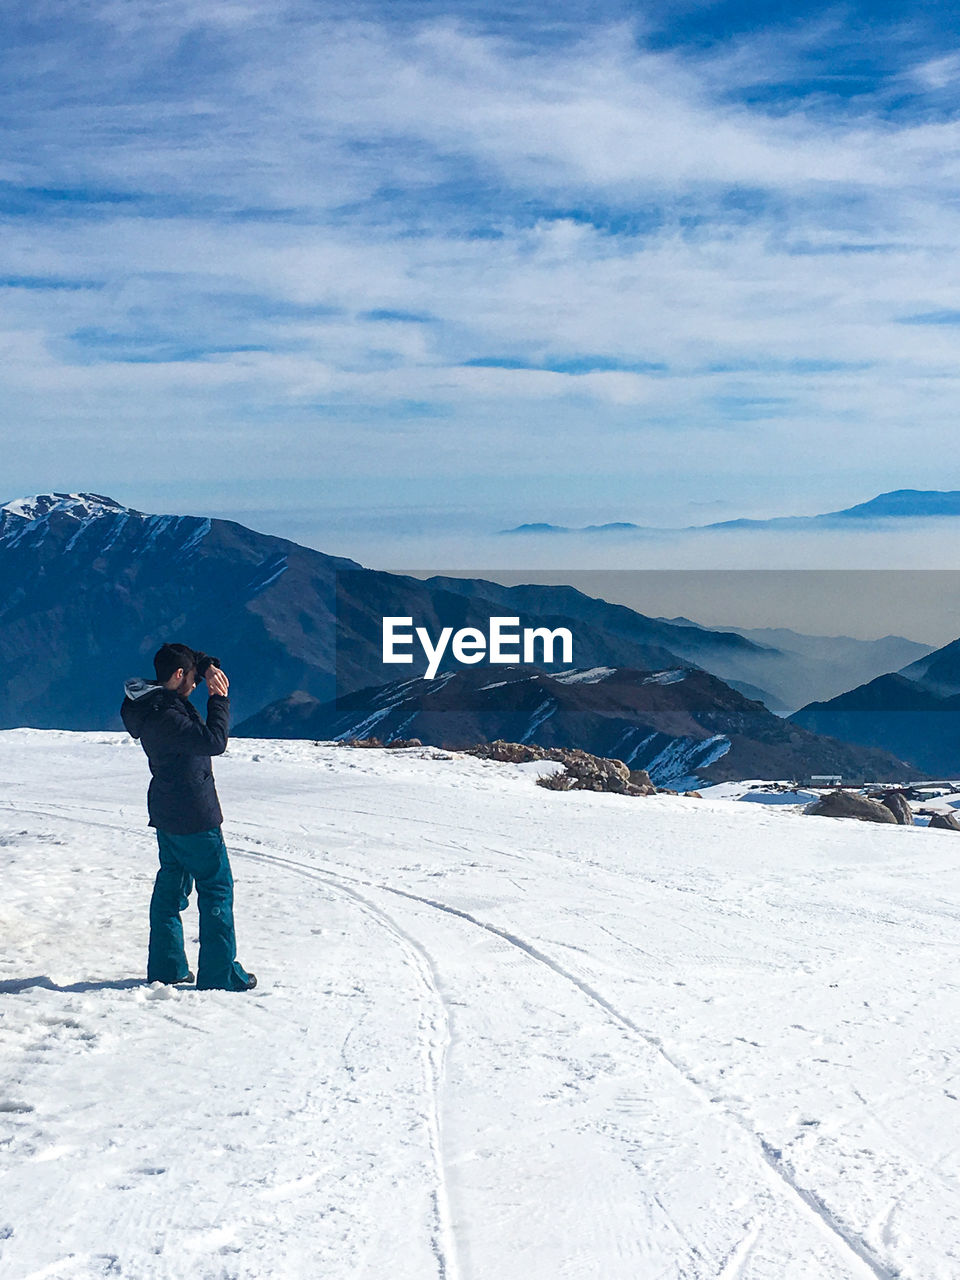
(898, 504)
(90, 588)
(684, 726)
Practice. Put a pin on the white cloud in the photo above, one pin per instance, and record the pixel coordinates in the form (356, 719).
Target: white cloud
(289, 175)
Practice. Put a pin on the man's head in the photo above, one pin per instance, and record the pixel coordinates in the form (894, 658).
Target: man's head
(176, 668)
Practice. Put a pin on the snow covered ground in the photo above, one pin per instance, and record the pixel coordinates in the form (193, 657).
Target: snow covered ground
(500, 1032)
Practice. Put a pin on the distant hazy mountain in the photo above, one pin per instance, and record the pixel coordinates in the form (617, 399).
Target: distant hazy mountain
(899, 504)
(914, 712)
(797, 668)
(895, 714)
(682, 725)
(939, 670)
(742, 662)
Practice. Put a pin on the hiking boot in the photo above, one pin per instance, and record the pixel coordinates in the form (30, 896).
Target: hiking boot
(241, 981)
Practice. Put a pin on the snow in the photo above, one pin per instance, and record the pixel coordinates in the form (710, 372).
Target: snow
(592, 675)
(757, 791)
(272, 577)
(781, 797)
(84, 505)
(499, 1031)
(677, 764)
(88, 510)
(437, 683)
(630, 745)
(543, 713)
(667, 677)
(201, 531)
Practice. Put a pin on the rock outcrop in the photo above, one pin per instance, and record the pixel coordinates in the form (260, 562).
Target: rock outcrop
(849, 804)
(581, 770)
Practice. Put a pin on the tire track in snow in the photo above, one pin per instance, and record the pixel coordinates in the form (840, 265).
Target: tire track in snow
(434, 1045)
(821, 1212)
(734, 1264)
(850, 1245)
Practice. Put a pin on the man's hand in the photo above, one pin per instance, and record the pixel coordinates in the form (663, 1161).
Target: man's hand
(217, 682)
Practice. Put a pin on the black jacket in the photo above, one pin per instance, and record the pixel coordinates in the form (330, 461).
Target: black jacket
(182, 798)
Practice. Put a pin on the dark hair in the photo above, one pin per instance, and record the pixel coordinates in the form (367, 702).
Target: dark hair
(170, 658)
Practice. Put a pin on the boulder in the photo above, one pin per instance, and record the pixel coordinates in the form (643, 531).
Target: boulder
(397, 744)
(849, 804)
(896, 802)
(640, 779)
(595, 773)
(945, 822)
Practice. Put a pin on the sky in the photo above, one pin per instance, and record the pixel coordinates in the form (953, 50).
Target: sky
(389, 277)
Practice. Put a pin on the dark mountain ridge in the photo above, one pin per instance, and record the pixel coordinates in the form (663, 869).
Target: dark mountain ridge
(914, 712)
(683, 725)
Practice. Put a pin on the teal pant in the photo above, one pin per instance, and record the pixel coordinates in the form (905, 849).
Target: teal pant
(201, 859)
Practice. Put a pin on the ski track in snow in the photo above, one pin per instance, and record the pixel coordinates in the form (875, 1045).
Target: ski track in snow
(784, 1209)
(841, 1235)
(434, 1047)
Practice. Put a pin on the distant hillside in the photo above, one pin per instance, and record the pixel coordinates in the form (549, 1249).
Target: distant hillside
(784, 669)
(682, 725)
(899, 504)
(914, 712)
(939, 670)
(799, 663)
(897, 715)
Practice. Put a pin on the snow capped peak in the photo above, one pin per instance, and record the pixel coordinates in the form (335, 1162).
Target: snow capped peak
(68, 520)
(82, 505)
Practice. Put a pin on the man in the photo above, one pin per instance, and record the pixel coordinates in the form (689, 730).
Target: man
(183, 807)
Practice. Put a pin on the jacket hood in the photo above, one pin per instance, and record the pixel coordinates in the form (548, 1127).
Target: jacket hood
(137, 688)
(138, 703)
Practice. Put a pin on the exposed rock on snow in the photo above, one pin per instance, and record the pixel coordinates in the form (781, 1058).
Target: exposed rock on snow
(850, 804)
(945, 821)
(899, 806)
(582, 771)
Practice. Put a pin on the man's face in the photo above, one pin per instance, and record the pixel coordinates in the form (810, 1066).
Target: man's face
(187, 684)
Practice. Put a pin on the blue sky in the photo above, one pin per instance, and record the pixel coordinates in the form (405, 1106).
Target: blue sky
(379, 272)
